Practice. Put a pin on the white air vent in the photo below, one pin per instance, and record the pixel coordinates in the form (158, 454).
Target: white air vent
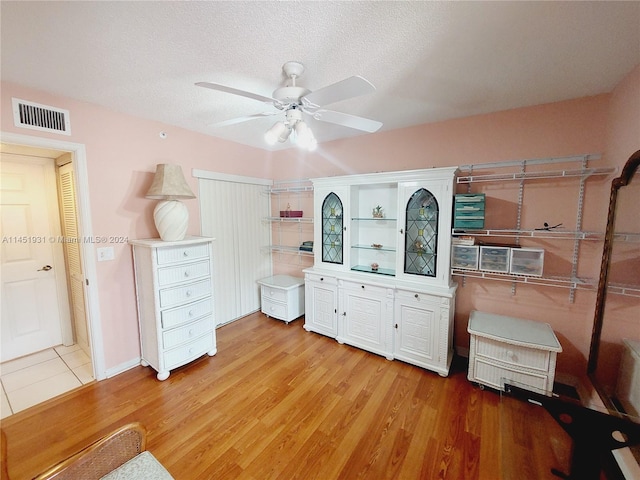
(40, 117)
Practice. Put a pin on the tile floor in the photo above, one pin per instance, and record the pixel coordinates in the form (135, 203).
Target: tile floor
(29, 380)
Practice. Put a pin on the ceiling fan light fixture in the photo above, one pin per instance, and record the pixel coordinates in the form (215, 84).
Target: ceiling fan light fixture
(303, 134)
(279, 132)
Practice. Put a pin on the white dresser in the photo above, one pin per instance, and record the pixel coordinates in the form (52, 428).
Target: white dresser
(504, 349)
(175, 301)
(282, 297)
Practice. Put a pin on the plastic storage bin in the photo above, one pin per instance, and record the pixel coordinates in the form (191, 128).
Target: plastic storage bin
(468, 211)
(526, 261)
(464, 256)
(494, 259)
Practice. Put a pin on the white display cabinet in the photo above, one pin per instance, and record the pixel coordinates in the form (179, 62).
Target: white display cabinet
(419, 318)
(367, 312)
(380, 236)
(321, 294)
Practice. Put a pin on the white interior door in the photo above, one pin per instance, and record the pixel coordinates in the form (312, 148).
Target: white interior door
(32, 258)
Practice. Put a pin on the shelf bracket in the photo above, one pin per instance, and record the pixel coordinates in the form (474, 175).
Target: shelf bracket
(576, 241)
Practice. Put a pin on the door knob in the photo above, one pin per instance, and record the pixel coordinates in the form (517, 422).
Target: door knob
(46, 268)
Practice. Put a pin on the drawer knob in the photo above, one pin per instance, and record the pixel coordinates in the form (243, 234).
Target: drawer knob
(416, 295)
(185, 253)
(191, 350)
(190, 333)
(273, 308)
(190, 313)
(272, 293)
(321, 279)
(186, 274)
(188, 294)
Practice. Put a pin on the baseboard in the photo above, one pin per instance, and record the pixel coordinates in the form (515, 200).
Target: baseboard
(462, 352)
(123, 367)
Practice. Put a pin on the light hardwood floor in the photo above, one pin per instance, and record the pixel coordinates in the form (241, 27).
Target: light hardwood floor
(277, 402)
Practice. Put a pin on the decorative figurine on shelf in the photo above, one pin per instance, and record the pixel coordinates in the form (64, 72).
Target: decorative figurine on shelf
(376, 245)
(377, 212)
(374, 267)
(419, 246)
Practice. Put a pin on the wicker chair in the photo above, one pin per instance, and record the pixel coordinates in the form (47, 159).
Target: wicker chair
(101, 457)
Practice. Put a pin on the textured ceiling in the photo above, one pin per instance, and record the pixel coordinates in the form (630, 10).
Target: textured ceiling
(429, 61)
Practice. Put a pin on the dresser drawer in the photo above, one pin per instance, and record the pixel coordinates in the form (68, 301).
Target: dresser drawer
(189, 351)
(327, 280)
(182, 253)
(177, 316)
(170, 297)
(275, 294)
(495, 376)
(177, 336)
(366, 289)
(514, 355)
(181, 273)
(276, 310)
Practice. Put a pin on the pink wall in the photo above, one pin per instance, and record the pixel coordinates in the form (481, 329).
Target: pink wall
(621, 313)
(623, 127)
(122, 152)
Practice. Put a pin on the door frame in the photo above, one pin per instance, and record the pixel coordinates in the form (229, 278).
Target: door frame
(85, 230)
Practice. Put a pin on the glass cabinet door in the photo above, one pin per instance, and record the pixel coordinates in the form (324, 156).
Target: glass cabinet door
(421, 234)
(332, 228)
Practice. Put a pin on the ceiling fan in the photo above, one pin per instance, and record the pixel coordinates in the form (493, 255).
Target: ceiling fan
(295, 101)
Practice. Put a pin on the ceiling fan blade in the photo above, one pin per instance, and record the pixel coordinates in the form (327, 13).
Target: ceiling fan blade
(246, 118)
(342, 90)
(235, 91)
(351, 121)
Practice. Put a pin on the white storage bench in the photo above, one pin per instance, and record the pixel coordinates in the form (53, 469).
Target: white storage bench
(504, 349)
(282, 297)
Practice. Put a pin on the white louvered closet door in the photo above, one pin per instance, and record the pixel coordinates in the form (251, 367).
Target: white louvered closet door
(68, 214)
(233, 212)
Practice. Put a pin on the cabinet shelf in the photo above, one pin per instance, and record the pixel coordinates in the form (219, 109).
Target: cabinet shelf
(562, 282)
(372, 219)
(370, 247)
(380, 271)
(548, 234)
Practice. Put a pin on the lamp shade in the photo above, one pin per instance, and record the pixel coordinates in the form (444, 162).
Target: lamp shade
(169, 183)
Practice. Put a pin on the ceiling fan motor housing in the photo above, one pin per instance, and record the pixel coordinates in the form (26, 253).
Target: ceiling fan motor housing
(287, 95)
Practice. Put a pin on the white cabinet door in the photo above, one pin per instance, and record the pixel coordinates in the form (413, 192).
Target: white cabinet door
(422, 333)
(331, 232)
(424, 228)
(366, 317)
(321, 304)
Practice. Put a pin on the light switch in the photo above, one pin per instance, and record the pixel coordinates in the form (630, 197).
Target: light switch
(105, 253)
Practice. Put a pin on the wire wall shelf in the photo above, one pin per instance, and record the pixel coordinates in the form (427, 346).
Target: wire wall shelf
(562, 282)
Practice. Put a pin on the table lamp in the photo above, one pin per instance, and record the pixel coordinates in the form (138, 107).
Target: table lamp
(170, 215)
